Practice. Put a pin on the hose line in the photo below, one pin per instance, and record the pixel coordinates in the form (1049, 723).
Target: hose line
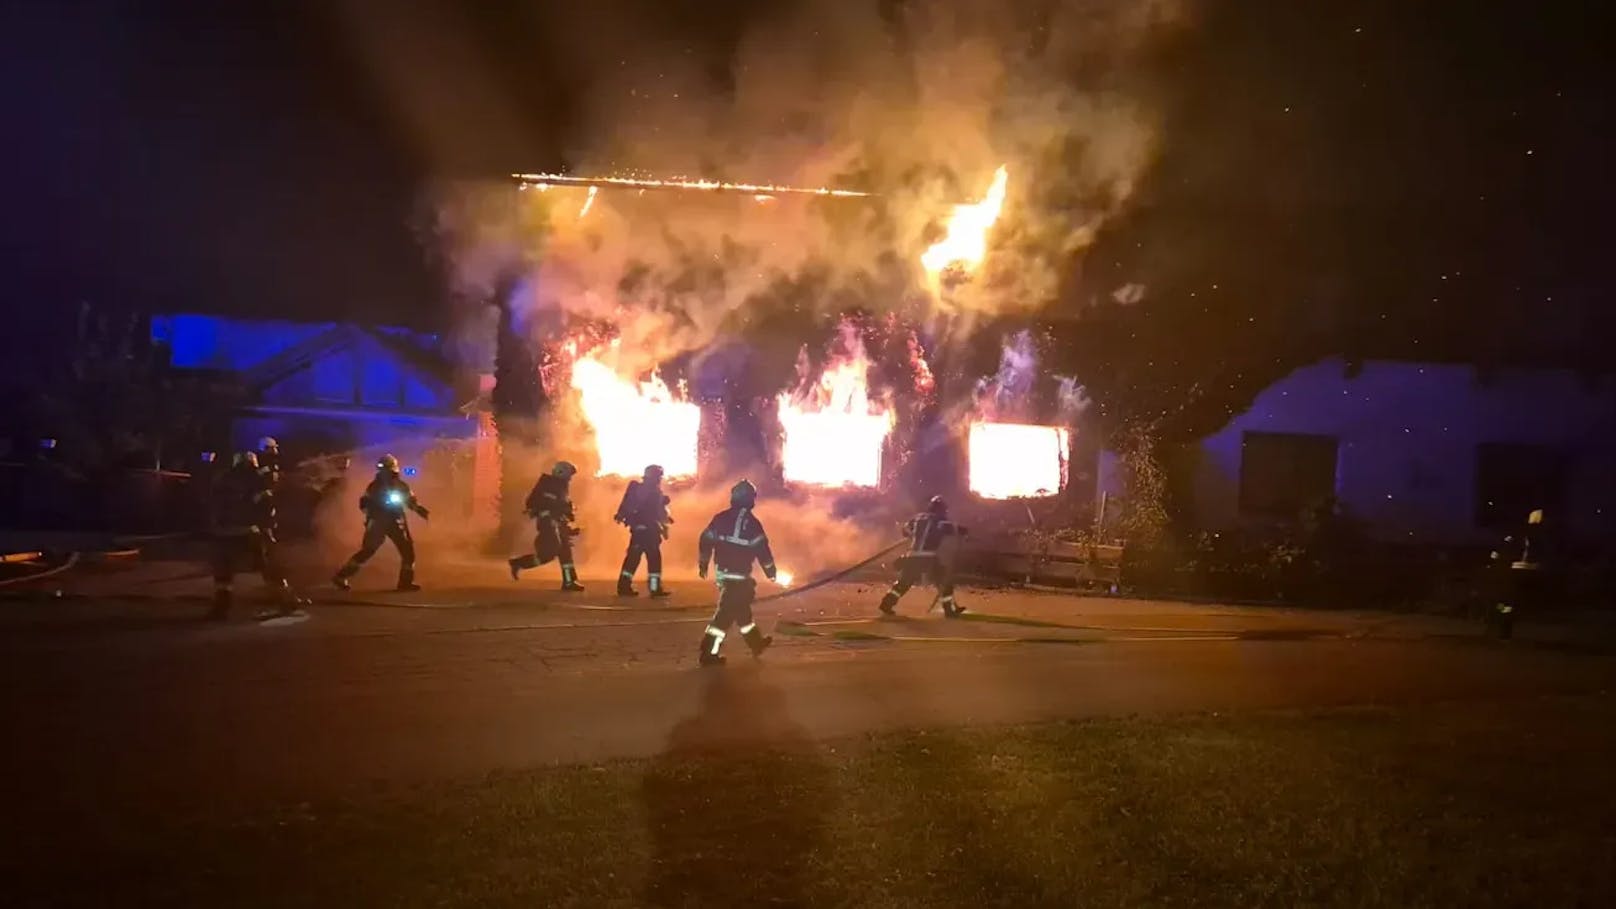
(830, 578)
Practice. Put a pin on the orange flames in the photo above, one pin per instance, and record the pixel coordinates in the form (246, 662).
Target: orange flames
(1017, 460)
(834, 432)
(636, 423)
(966, 243)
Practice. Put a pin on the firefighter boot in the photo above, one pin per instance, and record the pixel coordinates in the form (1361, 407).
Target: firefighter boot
(657, 591)
(625, 585)
(888, 602)
(710, 642)
(221, 604)
(756, 639)
(406, 581)
(951, 611)
(516, 568)
(569, 579)
(287, 600)
(340, 579)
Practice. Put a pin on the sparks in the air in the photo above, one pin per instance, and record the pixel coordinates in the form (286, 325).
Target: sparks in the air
(589, 202)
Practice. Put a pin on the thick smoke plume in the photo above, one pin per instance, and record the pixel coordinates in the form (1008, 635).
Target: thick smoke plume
(917, 103)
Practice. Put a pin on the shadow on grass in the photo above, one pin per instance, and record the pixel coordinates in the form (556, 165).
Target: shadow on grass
(710, 844)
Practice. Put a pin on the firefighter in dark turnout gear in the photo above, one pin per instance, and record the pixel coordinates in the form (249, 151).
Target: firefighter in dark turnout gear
(734, 539)
(1521, 573)
(269, 461)
(244, 535)
(926, 532)
(386, 503)
(550, 507)
(644, 511)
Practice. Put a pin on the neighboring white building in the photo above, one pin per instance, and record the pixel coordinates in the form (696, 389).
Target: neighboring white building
(1422, 453)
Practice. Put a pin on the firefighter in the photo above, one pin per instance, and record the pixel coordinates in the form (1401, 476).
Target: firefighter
(644, 511)
(386, 503)
(269, 460)
(926, 532)
(244, 536)
(1523, 579)
(550, 507)
(734, 538)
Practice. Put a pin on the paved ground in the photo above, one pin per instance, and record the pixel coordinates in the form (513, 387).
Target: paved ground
(116, 693)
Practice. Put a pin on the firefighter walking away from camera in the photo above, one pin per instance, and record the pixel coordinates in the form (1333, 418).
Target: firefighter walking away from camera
(927, 532)
(386, 504)
(644, 511)
(550, 507)
(244, 536)
(734, 539)
(1523, 581)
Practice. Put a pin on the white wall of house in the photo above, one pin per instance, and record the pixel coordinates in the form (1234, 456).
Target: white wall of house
(1407, 444)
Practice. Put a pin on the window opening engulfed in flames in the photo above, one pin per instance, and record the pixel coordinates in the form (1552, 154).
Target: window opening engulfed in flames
(1018, 460)
(637, 423)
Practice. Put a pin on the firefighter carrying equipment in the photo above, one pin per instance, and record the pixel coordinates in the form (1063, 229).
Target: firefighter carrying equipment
(550, 505)
(926, 531)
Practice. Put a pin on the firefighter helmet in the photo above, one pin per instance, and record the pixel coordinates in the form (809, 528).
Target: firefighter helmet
(564, 470)
(653, 473)
(249, 458)
(743, 494)
(388, 463)
(937, 505)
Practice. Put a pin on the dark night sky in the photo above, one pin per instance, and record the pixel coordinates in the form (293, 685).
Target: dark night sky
(1325, 166)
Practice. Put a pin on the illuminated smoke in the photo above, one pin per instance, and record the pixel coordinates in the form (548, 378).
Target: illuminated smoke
(919, 105)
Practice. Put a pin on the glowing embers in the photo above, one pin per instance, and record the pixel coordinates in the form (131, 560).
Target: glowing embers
(834, 432)
(1018, 460)
(636, 423)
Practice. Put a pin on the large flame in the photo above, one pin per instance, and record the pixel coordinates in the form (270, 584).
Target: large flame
(966, 243)
(636, 423)
(1018, 460)
(834, 432)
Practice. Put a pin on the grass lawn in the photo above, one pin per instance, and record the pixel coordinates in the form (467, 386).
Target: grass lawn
(1508, 803)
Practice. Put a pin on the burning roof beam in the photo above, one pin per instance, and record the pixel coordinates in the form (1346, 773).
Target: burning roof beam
(752, 189)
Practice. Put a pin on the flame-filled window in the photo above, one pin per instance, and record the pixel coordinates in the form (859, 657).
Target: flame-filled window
(1018, 460)
(1284, 473)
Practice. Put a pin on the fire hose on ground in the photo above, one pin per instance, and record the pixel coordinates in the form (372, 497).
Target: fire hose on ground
(833, 577)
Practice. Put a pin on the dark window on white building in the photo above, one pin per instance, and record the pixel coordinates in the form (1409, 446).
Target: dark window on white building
(1284, 473)
(1512, 480)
